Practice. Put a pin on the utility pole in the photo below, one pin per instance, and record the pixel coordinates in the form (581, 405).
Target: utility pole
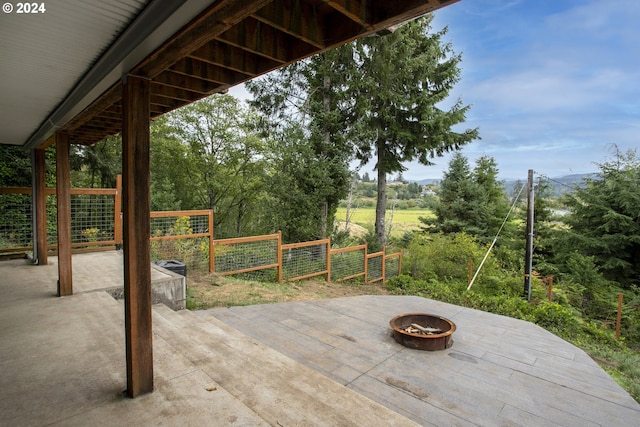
(528, 257)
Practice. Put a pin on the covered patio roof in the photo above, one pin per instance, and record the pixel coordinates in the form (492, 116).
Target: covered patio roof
(62, 67)
(76, 72)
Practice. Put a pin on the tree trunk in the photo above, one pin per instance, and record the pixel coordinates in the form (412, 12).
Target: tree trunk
(326, 105)
(381, 204)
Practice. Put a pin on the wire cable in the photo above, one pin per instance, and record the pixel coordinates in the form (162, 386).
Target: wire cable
(513, 205)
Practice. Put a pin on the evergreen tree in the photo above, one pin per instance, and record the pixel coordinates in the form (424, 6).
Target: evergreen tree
(298, 183)
(473, 202)
(457, 200)
(492, 206)
(401, 81)
(99, 164)
(309, 97)
(604, 219)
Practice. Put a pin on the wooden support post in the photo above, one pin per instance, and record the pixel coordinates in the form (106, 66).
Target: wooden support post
(117, 213)
(136, 235)
(63, 202)
(40, 202)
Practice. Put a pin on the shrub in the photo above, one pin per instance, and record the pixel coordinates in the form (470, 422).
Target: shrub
(447, 256)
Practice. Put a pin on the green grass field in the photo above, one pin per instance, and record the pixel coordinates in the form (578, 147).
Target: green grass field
(403, 219)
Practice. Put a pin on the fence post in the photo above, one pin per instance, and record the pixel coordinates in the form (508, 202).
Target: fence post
(211, 250)
(384, 263)
(279, 256)
(117, 213)
(400, 264)
(328, 259)
(366, 262)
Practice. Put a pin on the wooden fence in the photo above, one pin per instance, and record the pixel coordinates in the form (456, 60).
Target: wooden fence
(188, 236)
(298, 261)
(96, 220)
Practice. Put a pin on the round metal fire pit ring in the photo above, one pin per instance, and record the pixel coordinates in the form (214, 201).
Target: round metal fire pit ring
(423, 331)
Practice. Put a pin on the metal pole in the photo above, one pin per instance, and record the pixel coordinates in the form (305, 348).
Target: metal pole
(528, 264)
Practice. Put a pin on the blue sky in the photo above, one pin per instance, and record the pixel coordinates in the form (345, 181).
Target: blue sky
(552, 84)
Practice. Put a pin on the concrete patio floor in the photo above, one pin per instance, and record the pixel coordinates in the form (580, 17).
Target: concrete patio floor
(328, 362)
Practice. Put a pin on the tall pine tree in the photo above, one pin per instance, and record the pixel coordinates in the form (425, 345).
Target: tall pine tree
(401, 82)
(604, 219)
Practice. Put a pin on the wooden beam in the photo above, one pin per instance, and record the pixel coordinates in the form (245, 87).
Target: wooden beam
(256, 37)
(186, 81)
(40, 197)
(297, 18)
(221, 16)
(182, 95)
(63, 202)
(208, 71)
(233, 58)
(137, 232)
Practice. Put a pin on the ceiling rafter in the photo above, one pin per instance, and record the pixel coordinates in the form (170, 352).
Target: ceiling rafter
(186, 81)
(206, 71)
(233, 58)
(264, 40)
(287, 16)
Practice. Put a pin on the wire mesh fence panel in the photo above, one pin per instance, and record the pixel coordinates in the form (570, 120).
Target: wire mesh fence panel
(304, 261)
(265, 275)
(243, 256)
(182, 237)
(374, 267)
(347, 264)
(15, 222)
(391, 266)
(91, 218)
(193, 252)
(181, 224)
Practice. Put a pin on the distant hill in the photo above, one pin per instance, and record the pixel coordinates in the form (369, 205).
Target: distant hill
(429, 181)
(560, 185)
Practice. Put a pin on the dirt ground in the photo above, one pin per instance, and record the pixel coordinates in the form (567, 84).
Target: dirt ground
(209, 291)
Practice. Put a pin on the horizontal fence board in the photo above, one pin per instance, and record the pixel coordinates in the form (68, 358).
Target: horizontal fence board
(179, 236)
(348, 249)
(165, 214)
(236, 240)
(307, 276)
(306, 244)
(247, 270)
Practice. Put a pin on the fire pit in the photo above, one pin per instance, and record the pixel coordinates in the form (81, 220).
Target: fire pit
(423, 331)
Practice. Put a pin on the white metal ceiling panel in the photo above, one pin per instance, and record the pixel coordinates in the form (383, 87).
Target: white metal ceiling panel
(44, 55)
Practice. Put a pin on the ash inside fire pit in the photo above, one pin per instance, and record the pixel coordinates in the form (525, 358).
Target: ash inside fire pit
(423, 331)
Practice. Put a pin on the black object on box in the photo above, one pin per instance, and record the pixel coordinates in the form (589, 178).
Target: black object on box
(173, 265)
